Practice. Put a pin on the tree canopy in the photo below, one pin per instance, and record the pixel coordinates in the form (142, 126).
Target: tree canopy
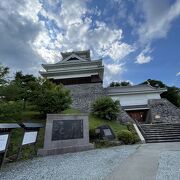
(172, 94)
(46, 96)
(3, 72)
(122, 83)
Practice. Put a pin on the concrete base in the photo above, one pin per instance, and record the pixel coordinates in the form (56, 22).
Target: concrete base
(71, 149)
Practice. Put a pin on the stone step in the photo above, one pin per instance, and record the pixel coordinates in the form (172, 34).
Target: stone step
(157, 126)
(164, 140)
(162, 125)
(163, 131)
(161, 128)
(162, 135)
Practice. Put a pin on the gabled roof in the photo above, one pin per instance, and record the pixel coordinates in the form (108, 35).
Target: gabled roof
(73, 58)
(82, 54)
(144, 88)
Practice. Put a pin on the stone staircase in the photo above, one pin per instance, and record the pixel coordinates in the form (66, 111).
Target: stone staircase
(165, 132)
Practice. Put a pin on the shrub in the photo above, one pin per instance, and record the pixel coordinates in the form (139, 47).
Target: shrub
(126, 137)
(53, 100)
(130, 127)
(105, 107)
(11, 109)
(92, 134)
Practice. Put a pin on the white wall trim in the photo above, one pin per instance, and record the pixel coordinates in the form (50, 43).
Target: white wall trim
(139, 134)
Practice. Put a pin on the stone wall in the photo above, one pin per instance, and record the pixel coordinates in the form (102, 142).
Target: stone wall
(163, 111)
(124, 117)
(84, 94)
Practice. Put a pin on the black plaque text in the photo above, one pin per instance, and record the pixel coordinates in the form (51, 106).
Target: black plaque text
(67, 129)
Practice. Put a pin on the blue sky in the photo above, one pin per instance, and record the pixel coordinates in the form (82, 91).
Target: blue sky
(137, 39)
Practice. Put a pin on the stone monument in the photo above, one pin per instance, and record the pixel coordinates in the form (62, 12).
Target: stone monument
(65, 134)
(105, 132)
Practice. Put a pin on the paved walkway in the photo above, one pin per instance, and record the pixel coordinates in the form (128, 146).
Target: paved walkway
(88, 165)
(144, 163)
(160, 161)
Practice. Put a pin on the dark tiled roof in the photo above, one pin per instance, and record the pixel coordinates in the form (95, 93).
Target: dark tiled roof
(135, 107)
(133, 89)
(83, 54)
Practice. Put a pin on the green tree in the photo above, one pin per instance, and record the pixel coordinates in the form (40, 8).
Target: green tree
(26, 84)
(172, 94)
(3, 72)
(105, 107)
(117, 84)
(10, 109)
(155, 83)
(53, 99)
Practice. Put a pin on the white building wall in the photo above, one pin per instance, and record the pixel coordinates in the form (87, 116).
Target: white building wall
(135, 99)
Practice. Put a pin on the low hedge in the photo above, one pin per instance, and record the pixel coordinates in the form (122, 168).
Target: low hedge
(126, 136)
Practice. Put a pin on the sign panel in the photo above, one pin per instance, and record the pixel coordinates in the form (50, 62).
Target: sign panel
(67, 129)
(3, 141)
(29, 137)
(107, 132)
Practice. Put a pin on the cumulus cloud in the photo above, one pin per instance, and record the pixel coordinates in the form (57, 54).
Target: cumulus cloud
(37, 31)
(79, 31)
(158, 18)
(17, 34)
(113, 72)
(178, 74)
(144, 56)
(115, 69)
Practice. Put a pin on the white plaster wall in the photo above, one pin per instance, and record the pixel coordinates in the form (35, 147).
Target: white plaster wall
(135, 99)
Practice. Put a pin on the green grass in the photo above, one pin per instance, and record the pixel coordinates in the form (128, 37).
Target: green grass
(71, 111)
(33, 116)
(95, 122)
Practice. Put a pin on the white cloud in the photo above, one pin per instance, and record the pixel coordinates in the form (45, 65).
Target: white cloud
(178, 74)
(142, 59)
(115, 69)
(158, 18)
(29, 39)
(17, 34)
(30, 10)
(118, 50)
(144, 56)
(80, 32)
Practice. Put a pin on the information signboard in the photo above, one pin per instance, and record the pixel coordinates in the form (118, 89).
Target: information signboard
(3, 141)
(29, 137)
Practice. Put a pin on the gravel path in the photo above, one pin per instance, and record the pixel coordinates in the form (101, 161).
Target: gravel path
(94, 164)
(169, 166)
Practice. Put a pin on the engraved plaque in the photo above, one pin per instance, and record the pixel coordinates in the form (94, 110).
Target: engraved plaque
(67, 129)
(107, 132)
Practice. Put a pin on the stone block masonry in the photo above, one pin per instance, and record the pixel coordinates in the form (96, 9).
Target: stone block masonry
(65, 134)
(163, 111)
(83, 95)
